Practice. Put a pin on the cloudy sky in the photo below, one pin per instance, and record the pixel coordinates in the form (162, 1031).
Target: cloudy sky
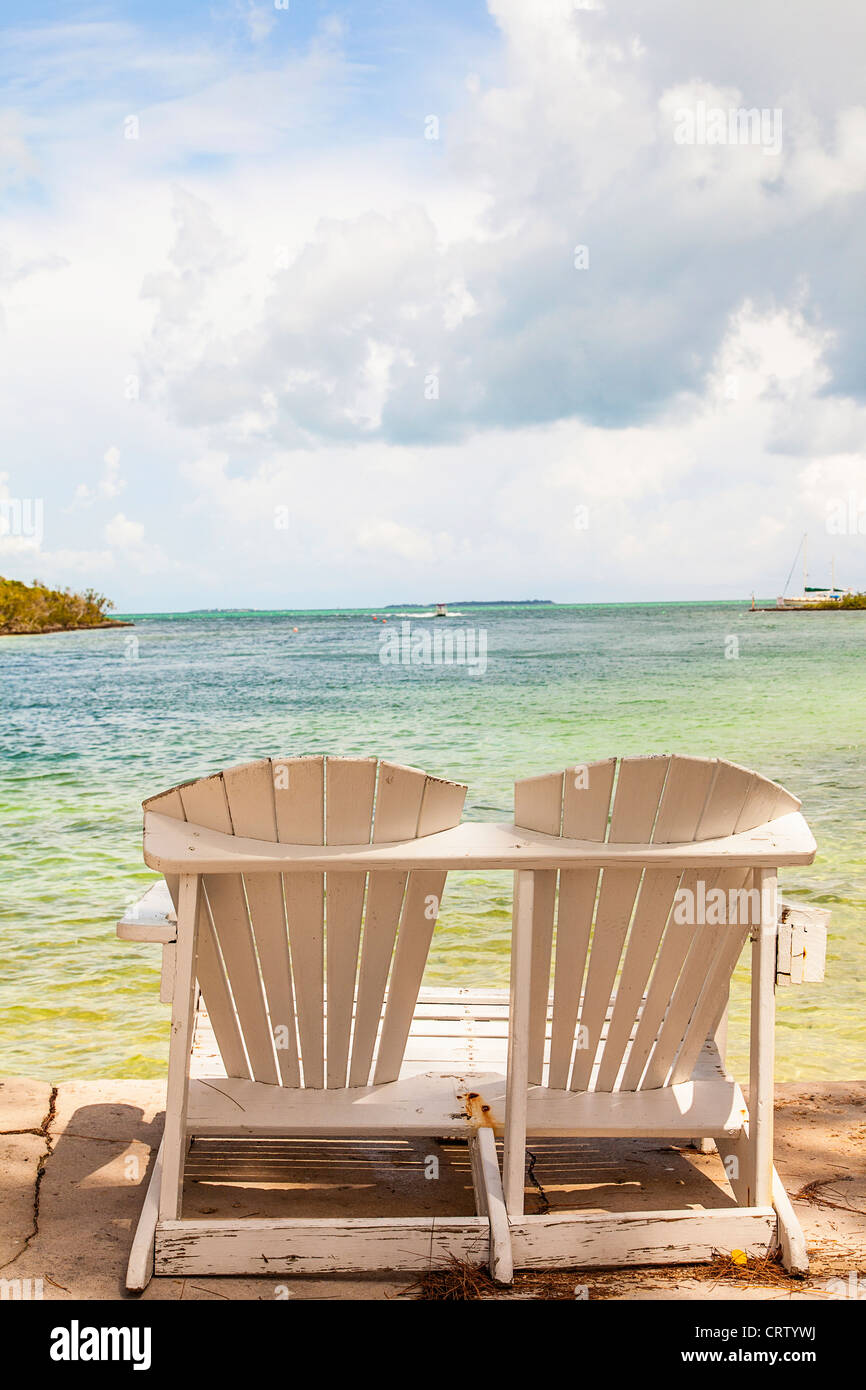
(357, 303)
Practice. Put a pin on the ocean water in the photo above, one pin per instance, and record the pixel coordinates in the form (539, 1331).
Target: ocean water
(91, 723)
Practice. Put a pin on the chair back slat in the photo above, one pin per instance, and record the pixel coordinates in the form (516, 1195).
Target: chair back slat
(578, 890)
(584, 793)
(714, 994)
(349, 821)
(585, 811)
(210, 971)
(764, 802)
(205, 804)
(299, 802)
(702, 940)
(656, 900)
(682, 805)
(683, 800)
(250, 794)
(639, 789)
(586, 800)
(538, 803)
(635, 806)
(441, 807)
(399, 794)
(543, 908)
(736, 799)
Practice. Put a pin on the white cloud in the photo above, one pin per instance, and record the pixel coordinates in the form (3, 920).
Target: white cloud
(282, 262)
(124, 534)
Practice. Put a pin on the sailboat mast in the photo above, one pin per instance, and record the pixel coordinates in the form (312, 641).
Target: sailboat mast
(805, 566)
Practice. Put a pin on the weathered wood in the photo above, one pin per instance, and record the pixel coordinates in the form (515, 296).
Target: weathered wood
(174, 1138)
(421, 906)
(790, 1240)
(569, 1241)
(543, 905)
(399, 793)
(691, 986)
(425, 1101)
(214, 987)
(514, 1155)
(151, 918)
(205, 803)
(801, 951)
(762, 1038)
(299, 802)
(586, 803)
(460, 1062)
(538, 803)
(713, 999)
(500, 1260)
(139, 1270)
(735, 1153)
(651, 916)
(341, 1246)
(351, 790)
(167, 973)
(616, 901)
(577, 896)
(250, 793)
(635, 808)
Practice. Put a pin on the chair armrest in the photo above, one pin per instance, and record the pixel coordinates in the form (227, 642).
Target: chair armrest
(151, 918)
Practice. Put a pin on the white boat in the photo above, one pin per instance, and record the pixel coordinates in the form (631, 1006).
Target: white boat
(813, 596)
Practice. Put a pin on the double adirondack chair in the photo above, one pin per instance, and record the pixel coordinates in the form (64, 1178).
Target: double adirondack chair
(305, 894)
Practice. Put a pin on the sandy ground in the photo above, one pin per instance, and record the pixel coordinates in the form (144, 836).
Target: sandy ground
(74, 1161)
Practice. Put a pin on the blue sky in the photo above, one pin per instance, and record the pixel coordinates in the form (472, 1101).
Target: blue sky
(354, 304)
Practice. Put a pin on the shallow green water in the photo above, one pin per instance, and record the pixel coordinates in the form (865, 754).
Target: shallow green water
(86, 733)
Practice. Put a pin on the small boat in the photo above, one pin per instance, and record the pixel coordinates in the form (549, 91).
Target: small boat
(813, 596)
(441, 611)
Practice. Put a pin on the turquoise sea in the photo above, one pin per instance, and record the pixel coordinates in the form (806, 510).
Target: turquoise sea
(91, 723)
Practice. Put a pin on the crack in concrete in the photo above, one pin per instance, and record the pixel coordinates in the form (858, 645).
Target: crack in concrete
(44, 1131)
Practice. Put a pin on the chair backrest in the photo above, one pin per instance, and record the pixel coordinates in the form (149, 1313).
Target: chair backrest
(306, 976)
(643, 957)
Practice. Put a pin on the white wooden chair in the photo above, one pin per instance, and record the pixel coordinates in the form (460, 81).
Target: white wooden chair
(308, 985)
(308, 935)
(625, 1043)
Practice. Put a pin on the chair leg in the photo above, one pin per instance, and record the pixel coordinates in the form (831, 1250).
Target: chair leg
(790, 1240)
(736, 1155)
(175, 1139)
(140, 1268)
(490, 1202)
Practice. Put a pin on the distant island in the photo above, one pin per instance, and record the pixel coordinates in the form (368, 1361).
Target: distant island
(34, 608)
(480, 603)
